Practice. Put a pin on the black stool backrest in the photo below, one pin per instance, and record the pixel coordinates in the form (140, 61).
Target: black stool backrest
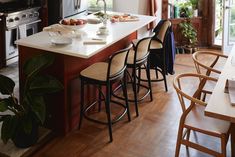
(117, 63)
(142, 48)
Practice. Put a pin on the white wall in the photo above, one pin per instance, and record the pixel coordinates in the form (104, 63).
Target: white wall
(136, 7)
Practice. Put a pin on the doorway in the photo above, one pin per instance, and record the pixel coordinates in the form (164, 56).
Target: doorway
(218, 23)
(228, 25)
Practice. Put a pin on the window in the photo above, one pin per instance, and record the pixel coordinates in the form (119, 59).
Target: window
(92, 6)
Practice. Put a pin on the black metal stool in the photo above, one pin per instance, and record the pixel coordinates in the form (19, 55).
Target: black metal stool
(106, 74)
(157, 56)
(138, 56)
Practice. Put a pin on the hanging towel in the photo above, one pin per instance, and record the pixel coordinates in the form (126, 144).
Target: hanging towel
(22, 31)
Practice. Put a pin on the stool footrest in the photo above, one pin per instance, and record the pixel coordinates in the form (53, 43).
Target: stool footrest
(116, 119)
(131, 100)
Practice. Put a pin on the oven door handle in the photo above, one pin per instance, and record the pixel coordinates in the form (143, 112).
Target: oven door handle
(78, 4)
(34, 22)
(75, 4)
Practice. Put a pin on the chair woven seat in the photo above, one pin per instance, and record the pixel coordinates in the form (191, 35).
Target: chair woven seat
(197, 120)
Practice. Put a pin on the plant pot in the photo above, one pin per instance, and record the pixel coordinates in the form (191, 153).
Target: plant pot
(188, 49)
(195, 13)
(24, 140)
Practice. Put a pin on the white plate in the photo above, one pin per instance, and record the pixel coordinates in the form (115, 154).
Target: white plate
(59, 40)
(104, 33)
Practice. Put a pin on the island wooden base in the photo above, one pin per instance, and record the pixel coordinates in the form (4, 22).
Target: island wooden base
(63, 107)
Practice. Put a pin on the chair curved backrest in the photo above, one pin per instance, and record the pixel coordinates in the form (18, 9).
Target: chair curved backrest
(191, 92)
(117, 62)
(193, 117)
(209, 67)
(142, 48)
(162, 32)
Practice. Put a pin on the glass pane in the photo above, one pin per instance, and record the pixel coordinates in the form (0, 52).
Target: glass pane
(218, 22)
(232, 24)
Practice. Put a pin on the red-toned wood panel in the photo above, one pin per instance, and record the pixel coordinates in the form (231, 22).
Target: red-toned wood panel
(63, 107)
(179, 38)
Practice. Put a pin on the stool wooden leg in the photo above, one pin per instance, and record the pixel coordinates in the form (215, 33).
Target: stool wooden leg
(149, 81)
(126, 97)
(139, 75)
(135, 91)
(108, 111)
(82, 104)
(164, 77)
(99, 107)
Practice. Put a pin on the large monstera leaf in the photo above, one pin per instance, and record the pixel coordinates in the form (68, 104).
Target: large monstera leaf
(36, 64)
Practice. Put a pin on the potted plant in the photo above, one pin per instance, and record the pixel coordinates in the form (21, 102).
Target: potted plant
(194, 4)
(190, 33)
(185, 9)
(20, 119)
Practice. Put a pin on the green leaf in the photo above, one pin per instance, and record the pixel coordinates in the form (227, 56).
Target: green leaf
(8, 128)
(37, 63)
(4, 103)
(6, 85)
(44, 85)
(38, 107)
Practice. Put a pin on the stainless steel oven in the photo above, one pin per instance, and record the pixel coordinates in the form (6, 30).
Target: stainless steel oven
(13, 34)
(19, 25)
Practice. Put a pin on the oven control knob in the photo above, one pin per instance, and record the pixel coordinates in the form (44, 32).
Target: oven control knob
(36, 14)
(24, 16)
(31, 15)
(17, 18)
(10, 20)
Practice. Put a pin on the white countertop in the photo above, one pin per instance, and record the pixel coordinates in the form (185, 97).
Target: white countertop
(117, 31)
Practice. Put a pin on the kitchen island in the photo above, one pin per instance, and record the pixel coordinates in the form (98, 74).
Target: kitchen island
(63, 107)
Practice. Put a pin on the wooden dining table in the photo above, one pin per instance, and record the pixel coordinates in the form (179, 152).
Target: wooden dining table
(219, 105)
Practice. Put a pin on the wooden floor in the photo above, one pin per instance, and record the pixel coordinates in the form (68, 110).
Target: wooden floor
(152, 134)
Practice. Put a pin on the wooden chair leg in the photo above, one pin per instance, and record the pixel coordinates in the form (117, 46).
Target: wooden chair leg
(178, 143)
(223, 146)
(233, 140)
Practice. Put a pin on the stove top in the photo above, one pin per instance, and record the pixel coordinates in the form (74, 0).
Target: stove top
(25, 16)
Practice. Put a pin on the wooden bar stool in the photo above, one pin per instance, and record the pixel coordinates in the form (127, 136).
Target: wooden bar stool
(157, 53)
(106, 74)
(137, 57)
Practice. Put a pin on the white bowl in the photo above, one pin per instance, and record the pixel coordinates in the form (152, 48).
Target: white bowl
(76, 26)
(59, 40)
